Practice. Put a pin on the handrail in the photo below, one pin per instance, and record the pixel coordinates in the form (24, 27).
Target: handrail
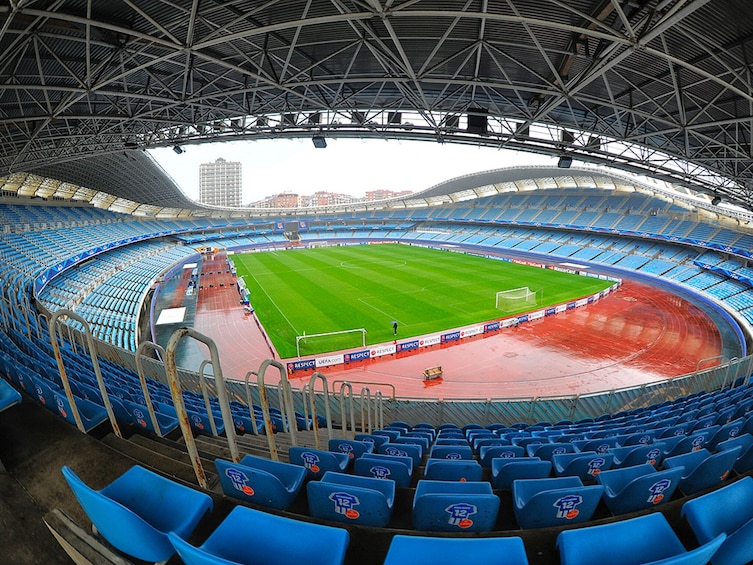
(327, 411)
(142, 378)
(367, 405)
(379, 410)
(250, 403)
(343, 386)
(264, 401)
(95, 364)
(180, 407)
(205, 394)
(367, 383)
(714, 358)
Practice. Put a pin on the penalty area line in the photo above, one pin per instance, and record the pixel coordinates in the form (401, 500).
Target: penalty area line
(274, 304)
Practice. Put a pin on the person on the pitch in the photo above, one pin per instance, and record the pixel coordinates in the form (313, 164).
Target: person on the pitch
(394, 328)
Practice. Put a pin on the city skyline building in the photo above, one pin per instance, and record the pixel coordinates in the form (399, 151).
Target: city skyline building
(220, 183)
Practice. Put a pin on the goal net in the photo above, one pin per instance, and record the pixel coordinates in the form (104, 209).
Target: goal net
(516, 299)
(325, 342)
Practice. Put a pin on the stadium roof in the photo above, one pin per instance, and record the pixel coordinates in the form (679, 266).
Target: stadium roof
(661, 87)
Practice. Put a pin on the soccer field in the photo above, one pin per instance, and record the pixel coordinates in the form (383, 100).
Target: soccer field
(329, 289)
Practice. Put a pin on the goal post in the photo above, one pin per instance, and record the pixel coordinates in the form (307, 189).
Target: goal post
(336, 339)
(516, 299)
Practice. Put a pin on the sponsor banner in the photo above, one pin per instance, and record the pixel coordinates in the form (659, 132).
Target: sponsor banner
(571, 305)
(510, 322)
(492, 327)
(330, 360)
(302, 365)
(356, 356)
(407, 345)
(581, 302)
(536, 315)
(523, 318)
(592, 299)
(550, 311)
(431, 340)
(561, 308)
(472, 331)
(383, 350)
(452, 336)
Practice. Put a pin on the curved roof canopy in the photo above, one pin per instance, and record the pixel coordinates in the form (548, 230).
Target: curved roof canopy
(657, 86)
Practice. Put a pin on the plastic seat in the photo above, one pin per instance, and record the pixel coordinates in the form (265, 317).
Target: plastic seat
(542, 503)
(317, 461)
(488, 453)
(639, 438)
(726, 510)
(505, 470)
(639, 454)
(389, 434)
(443, 506)
(251, 537)
(452, 470)
(377, 440)
(351, 499)
(421, 442)
(727, 431)
(602, 445)
(353, 448)
(139, 415)
(744, 461)
(693, 442)
(403, 450)
(135, 512)
(91, 414)
(456, 452)
(424, 550)
(644, 540)
(268, 483)
(379, 466)
(8, 395)
(586, 466)
(638, 487)
(703, 470)
(547, 450)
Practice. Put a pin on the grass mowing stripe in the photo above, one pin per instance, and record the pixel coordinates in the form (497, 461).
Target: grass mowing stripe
(336, 288)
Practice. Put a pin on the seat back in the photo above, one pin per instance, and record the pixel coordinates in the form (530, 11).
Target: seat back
(507, 470)
(456, 452)
(452, 470)
(403, 450)
(351, 500)
(317, 461)
(424, 550)
(724, 510)
(542, 503)
(638, 488)
(504, 451)
(548, 450)
(245, 534)
(631, 455)
(261, 486)
(441, 506)
(707, 471)
(353, 448)
(586, 465)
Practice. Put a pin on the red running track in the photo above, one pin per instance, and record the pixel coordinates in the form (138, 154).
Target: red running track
(639, 334)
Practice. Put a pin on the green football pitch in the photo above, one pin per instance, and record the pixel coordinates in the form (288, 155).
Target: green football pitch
(330, 289)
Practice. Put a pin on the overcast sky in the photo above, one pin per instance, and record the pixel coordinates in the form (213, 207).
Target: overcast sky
(349, 166)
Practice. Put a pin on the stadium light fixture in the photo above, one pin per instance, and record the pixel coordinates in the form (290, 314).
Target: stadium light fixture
(565, 162)
(178, 149)
(319, 142)
(716, 200)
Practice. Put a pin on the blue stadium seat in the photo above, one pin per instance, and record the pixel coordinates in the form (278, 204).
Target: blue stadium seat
(445, 506)
(542, 503)
(250, 537)
(726, 510)
(637, 454)
(744, 461)
(602, 445)
(8, 395)
(727, 431)
(403, 450)
(452, 470)
(379, 466)
(638, 487)
(586, 465)
(389, 434)
(644, 540)
(353, 448)
(135, 512)
(268, 483)
(377, 440)
(424, 550)
(703, 470)
(490, 452)
(451, 452)
(506, 470)
(422, 442)
(139, 415)
(317, 461)
(547, 450)
(351, 499)
(693, 442)
(91, 414)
